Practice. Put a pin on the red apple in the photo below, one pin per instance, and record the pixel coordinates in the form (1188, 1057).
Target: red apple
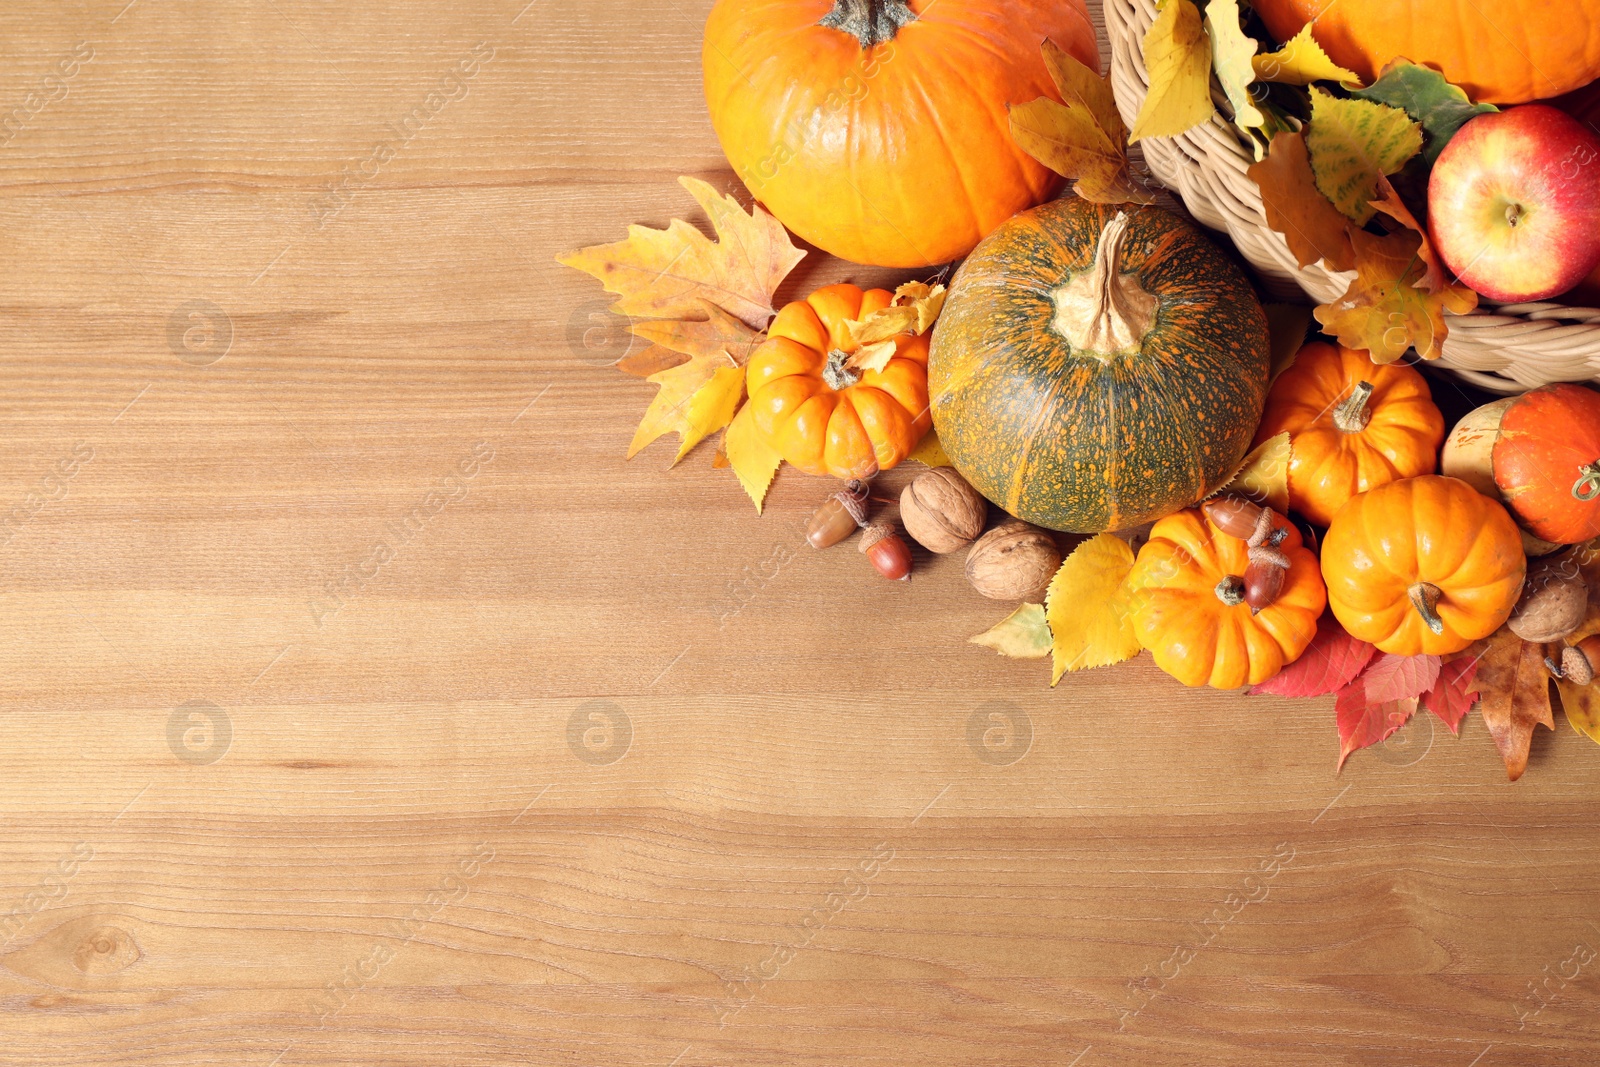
(1514, 203)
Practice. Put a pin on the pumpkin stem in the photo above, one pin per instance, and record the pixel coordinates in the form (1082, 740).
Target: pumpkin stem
(1231, 590)
(872, 22)
(1352, 414)
(836, 374)
(1425, 598)
(1103, 311)
(1587, 487)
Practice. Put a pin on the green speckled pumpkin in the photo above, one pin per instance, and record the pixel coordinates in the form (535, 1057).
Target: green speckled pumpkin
(1095, 369)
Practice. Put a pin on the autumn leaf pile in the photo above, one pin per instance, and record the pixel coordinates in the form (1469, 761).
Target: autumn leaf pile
(1330, 157)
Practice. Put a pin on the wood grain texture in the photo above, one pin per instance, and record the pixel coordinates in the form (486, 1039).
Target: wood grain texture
(390, 832)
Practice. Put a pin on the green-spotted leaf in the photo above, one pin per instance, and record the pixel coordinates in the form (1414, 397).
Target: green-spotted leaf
(1021, 635)
(1353, 143)
(1425, 95)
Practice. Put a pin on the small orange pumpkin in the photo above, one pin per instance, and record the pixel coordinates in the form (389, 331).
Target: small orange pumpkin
(1423, 566)
(824, 416)
(1187, 602)
(1353, 425)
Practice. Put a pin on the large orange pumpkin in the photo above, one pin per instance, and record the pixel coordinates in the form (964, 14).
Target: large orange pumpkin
(823, 416)
(1425, 565)
(878, 129)
(1353, 425)
(1501, 51)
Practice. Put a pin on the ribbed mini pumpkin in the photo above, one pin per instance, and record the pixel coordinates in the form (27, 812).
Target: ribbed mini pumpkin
(1095, 369)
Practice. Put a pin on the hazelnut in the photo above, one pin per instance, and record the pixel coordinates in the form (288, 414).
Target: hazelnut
(941, 511)
(1013, 561)
(1554, 601)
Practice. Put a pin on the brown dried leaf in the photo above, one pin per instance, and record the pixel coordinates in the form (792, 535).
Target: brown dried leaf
(1295, 207)
(1514, 691)
(716, 331)
(1390, 204)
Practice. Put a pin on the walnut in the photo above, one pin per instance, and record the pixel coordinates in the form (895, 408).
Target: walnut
(1554, 601)
(942, 512)
(1013, 561)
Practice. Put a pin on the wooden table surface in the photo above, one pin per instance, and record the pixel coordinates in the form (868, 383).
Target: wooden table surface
(362, 705)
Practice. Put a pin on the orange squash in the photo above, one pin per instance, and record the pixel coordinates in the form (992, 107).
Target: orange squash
(1547, 462)
(1353, 425)
(1504, 52)
(878, 129)
(1188, 607)
(823, 416)
(1425, 565)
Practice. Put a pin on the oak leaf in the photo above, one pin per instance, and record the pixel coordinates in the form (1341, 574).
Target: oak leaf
(1295, 207)
(1023, 634)
(1232, 51)
(1302, 61)
(666, 274)
(1453, 695)
(1264, 475)
(753, 460)
(1425, 95)
(1383, 312)
(1082, 136)
(1088, 610)
(1353, 143)
(1177, 54)
(1514, 696)
(1390, 204)
(1331, 662)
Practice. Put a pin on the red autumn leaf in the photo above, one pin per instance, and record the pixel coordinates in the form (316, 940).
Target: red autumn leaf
(1363, 722)
(1391, 677)
(1452, 696)
(1332, 660)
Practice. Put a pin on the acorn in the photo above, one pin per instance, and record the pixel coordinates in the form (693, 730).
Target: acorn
(887, 551)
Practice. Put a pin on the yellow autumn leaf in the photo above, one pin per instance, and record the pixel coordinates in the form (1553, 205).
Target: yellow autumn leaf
(1264, 475)
(1231, 53)
(1021, 635)
(1582, 705)
(716, 331)
(1087, 607)
(754, 461)
(679, 406)
(1301, 62)
(1177, 53)
(1383, 312)
(927, 299)
(873, 357)
(1353, 143)
(665, 274)
(914, 309)
(1080, 137)
(930, 453)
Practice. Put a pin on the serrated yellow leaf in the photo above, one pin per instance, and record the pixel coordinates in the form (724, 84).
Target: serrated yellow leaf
(712, 406)
(715, 331)
(1231, 53)
(666, 274)
(882, 325)
(927, 299)
(1082, 136)
(930, 453)
(754, 461)
(1301, 62)
(1021, 635)
(1087, 607)
(1353, 143)
(1177, 53)
(1264, 474)
(670, 409)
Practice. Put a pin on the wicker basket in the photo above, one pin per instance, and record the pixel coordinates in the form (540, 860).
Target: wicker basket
(1505, 349)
